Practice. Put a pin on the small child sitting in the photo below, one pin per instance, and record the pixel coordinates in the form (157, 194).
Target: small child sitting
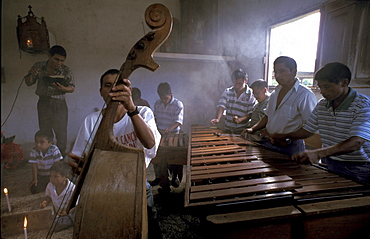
(59, 191)
(42, 157)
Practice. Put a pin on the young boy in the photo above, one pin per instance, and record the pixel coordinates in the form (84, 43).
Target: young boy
(59, 191)
(42, 157)
(260, 92)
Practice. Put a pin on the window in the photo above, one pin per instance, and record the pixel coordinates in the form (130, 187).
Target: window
(296, 38)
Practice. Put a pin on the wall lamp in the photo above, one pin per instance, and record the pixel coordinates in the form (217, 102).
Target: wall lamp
(33, 36)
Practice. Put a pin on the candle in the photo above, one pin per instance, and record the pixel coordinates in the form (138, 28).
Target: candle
(7, 199)
(25, 227)
(29, 43)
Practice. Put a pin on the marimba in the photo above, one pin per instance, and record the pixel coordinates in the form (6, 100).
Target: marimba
(252, 192)
(172, 149)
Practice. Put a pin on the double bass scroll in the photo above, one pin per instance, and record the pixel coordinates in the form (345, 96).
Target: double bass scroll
(159, 19)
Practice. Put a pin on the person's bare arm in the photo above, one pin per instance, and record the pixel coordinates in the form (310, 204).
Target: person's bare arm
(173, 126)
(220, 111)
(31, 77)
(238, 120)
(313, 156)
(260, 125)
(76, 163)
(46, 201)
(143, 132)
(122, 93)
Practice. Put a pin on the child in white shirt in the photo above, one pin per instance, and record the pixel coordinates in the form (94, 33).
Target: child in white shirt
(59, 191)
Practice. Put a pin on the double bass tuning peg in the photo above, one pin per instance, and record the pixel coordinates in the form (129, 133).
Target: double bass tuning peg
(150, 36)
(131, 56)
(140, 45)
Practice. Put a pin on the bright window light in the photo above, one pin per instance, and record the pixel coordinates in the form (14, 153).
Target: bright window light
(298, 39)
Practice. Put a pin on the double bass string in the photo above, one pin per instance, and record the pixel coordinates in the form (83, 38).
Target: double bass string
(74, 177)
(92, 135)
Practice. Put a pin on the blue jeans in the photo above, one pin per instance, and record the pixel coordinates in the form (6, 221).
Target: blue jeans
(358, 171)
(291, 149)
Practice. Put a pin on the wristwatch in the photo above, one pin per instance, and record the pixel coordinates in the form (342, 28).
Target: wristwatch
(135, 112)
(288, 140)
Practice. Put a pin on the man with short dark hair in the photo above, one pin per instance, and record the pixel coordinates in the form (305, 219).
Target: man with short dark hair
(168, 110)
(136, 97)
(288, 108)
(342, 118)
(168, 113)
(238, 102)
(134, 126)
(54, 80)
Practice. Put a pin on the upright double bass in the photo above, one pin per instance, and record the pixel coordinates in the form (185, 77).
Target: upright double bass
(111, 185)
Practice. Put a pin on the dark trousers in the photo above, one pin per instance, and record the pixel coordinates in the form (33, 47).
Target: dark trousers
(291, 149)
(154, 230)
(53, 115)
(42, 182)
(357, 171)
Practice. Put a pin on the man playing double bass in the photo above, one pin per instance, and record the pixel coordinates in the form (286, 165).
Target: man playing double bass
(134, 126)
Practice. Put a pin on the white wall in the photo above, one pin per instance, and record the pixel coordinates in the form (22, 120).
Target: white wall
(98, 35)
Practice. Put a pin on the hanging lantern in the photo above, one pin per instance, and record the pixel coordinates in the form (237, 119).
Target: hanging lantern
(33, 36)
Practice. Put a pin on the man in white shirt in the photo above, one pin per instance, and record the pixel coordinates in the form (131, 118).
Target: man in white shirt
(134, 126)
(289, 107)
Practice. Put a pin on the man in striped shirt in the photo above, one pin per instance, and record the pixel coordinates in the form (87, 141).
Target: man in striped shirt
(238, 102)
(342, 118)
(168, 113)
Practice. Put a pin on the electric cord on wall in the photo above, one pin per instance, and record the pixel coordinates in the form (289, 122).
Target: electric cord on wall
(15, 99)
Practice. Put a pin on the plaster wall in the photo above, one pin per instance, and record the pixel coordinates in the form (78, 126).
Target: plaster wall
(98, 35)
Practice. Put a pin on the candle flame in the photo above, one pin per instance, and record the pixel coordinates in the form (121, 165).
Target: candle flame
(5, 190)
(29, 41)
(25, 222)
